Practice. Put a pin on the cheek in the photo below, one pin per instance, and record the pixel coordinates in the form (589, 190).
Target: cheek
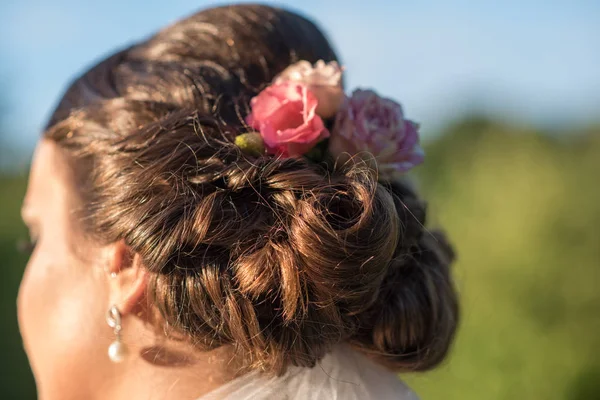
(61, 309)
(44, 295)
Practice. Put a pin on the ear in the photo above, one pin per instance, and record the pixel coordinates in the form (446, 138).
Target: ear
(128, 278)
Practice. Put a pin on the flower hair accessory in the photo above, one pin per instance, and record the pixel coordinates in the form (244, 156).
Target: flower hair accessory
(324, 80)
(287, 117)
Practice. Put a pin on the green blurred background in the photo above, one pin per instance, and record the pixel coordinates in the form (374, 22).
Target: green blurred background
(507, 93)
(523, 209)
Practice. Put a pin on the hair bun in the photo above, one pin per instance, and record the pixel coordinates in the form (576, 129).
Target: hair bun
(412, 324)
(282, 259)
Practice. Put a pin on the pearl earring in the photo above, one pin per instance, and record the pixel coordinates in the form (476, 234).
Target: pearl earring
(117, 351)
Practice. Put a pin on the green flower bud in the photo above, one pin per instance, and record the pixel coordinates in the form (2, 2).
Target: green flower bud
(251, 143)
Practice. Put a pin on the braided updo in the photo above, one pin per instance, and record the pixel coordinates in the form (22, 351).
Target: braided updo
(281, 258)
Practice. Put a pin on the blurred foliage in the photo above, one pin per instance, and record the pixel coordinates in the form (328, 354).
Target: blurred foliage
(16, 381)
(523, 210)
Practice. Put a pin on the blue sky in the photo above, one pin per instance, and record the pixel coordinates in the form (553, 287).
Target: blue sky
(536, 61)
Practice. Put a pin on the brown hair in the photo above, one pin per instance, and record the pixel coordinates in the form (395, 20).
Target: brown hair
(282, 258)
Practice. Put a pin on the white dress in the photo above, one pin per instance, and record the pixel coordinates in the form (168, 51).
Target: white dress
(343, 374)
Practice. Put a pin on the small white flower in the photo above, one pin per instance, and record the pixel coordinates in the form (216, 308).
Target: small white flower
(324, 80)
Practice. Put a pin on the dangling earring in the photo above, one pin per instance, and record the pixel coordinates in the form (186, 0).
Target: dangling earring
(117, 349)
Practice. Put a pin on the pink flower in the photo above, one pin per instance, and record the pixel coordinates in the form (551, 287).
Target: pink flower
(324, 80)
(285, 116)
(376, 125)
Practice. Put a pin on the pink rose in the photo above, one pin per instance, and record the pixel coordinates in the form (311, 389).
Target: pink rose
(285, 116)
(324, 80)
(376, 125)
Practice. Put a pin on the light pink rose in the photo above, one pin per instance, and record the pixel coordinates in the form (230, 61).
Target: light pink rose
(285, 116)
(376, 125)
(323, 79)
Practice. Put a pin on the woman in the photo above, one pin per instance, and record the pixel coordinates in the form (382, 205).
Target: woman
(213, 218)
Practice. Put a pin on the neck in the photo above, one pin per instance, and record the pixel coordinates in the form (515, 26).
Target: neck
(171, 369)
